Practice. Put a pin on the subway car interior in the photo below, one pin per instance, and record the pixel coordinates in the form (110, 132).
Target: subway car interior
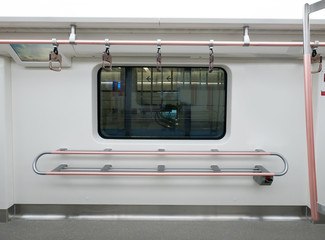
(162, 127)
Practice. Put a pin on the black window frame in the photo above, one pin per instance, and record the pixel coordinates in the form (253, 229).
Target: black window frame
(159, 138)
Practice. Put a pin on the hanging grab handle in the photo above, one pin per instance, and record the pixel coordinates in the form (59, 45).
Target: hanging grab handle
(54, 56)
(107, 57)
(211, 57)
(316, 58)
(158, 56)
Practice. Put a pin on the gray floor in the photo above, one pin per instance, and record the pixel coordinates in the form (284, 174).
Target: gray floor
(156, 230)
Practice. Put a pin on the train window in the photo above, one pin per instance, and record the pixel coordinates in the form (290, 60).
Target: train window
(176, 103)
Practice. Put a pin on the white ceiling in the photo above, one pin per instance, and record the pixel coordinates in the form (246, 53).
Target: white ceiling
(256, 9)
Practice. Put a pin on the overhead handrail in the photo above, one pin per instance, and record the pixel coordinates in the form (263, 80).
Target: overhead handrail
(163, 42)
(260, 174)
(246, 42)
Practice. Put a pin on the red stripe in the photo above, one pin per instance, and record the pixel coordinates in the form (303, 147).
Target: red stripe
(163, 173)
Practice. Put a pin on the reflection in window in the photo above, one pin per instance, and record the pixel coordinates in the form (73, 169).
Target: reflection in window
(177, 103)
(32, 52)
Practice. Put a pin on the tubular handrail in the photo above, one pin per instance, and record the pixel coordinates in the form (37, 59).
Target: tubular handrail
(162, 173)
(163, 42)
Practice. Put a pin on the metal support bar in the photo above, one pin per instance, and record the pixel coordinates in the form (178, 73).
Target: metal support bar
(317, 6)
(246, 36)
(259, 150)
(72, 37)
(262, 180)
(62, 149)
(215, 168)
(161, 168)
(309, 107)
(106, 168)
(60, 167)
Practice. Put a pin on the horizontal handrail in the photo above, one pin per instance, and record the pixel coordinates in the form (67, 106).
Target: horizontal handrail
(178, 173)
(162, 173)
(163, 42)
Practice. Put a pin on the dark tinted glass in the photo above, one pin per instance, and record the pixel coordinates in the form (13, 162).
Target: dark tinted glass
(177, 103)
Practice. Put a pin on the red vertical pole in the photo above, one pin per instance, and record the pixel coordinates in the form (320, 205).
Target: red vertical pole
(310, 138)
(309, 115)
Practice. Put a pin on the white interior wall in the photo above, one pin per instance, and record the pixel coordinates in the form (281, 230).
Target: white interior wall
(6, 141)
(53, 110)
(265, 110)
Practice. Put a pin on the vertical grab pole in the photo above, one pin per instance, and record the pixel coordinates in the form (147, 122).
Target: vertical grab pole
(309, 115)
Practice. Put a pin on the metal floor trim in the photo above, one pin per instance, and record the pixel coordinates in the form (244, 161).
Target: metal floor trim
(159, 212)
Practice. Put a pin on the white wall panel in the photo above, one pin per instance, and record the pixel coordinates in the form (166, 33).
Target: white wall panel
(6, 154)
(266, 110)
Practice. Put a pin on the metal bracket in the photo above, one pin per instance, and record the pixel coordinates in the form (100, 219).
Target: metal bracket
(158, 55)
(62, 149)
(316, 44)
(60, 167)
(107, 57)
(106, 168)
(262, 180)
(246, 36)
(259, 150)
(72, 37)
(211, 57)
(161, 168)
(54, 56)
(215, 168)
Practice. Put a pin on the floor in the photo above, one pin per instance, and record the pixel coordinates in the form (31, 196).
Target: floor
(18, 229)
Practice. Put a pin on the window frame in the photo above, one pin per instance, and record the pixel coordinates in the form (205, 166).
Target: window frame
(98, 106)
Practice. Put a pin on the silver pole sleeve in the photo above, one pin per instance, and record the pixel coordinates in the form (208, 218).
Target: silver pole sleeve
(306, 29)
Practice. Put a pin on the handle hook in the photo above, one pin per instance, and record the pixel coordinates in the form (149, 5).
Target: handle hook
(107, 57)
(158, 56)
(211, 57)
(54, 56)
(316, 57)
